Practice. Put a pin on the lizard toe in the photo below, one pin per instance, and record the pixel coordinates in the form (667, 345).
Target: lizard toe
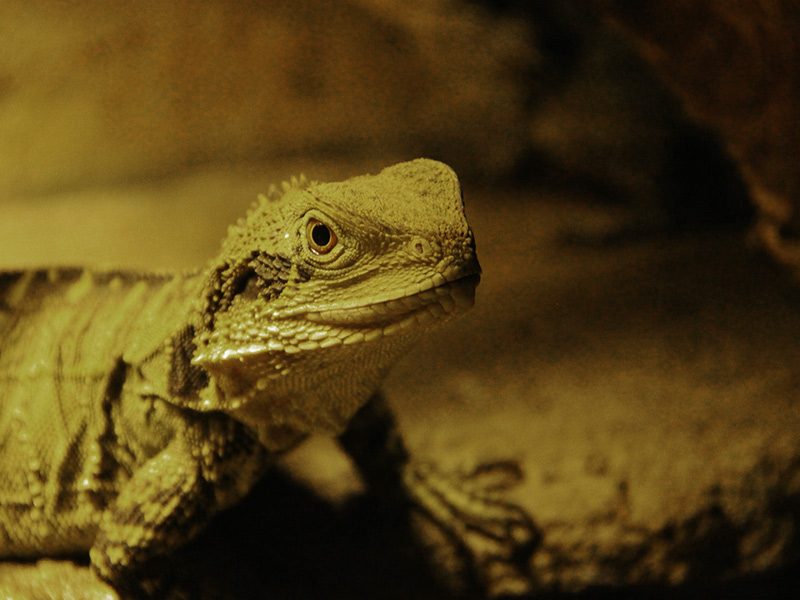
(491, 538)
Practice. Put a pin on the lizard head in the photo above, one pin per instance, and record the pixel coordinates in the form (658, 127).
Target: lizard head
(319, 289)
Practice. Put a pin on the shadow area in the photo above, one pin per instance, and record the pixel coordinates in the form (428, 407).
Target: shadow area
(284, 541)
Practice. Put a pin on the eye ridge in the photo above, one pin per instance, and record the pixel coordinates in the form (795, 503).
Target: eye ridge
(321, 238)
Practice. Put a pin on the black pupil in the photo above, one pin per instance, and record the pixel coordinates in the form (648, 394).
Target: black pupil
(320, 235)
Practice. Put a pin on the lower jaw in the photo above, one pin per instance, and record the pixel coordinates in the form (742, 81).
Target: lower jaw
(420, 319)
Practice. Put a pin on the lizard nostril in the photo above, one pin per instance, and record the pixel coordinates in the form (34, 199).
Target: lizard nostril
(420, 246)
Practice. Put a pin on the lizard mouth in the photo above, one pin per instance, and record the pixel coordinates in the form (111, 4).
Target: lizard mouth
(429, 305)
(355, 324)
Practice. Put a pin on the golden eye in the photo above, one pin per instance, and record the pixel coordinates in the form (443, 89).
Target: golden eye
(321, 238)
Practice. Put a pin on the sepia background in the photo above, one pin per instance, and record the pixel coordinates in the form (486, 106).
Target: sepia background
(631, 173)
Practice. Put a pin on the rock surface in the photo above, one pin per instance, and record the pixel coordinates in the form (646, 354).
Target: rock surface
(650, 390)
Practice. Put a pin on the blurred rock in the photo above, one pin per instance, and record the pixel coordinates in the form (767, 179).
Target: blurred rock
(736, 66)
(96, 92)
(101, 94)
(600, 120)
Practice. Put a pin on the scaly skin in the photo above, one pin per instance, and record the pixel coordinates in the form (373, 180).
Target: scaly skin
(133, 407)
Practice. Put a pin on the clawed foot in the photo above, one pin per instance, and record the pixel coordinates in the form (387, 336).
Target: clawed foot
(489, 540)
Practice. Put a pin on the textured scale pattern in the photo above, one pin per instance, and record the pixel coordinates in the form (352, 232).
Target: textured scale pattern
(63, 335)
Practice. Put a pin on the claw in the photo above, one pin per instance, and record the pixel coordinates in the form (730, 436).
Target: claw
(499, 475)
(493, 537)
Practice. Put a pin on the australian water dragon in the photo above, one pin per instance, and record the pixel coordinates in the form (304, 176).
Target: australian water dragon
(135, 406)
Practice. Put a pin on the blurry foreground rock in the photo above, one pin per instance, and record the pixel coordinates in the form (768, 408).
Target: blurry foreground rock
(51, 580)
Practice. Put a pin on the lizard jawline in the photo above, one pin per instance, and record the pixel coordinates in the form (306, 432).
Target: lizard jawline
(438, 302)
(352, 325)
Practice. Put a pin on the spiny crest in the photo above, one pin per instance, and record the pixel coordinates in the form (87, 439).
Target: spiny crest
(276, 192)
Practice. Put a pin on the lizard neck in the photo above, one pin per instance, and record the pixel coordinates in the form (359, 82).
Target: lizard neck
(163, 355)
(319, 393)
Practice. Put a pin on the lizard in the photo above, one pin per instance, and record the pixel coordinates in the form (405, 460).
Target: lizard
(135, 406)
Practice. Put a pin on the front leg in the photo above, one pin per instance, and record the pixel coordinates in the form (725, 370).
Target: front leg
(161, 507)
(169, 500)
(492, 539)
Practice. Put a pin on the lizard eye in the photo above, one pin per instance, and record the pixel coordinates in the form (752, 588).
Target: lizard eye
(321, 238)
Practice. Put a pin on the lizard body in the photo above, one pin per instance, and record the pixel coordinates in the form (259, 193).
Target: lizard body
(133, 407)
